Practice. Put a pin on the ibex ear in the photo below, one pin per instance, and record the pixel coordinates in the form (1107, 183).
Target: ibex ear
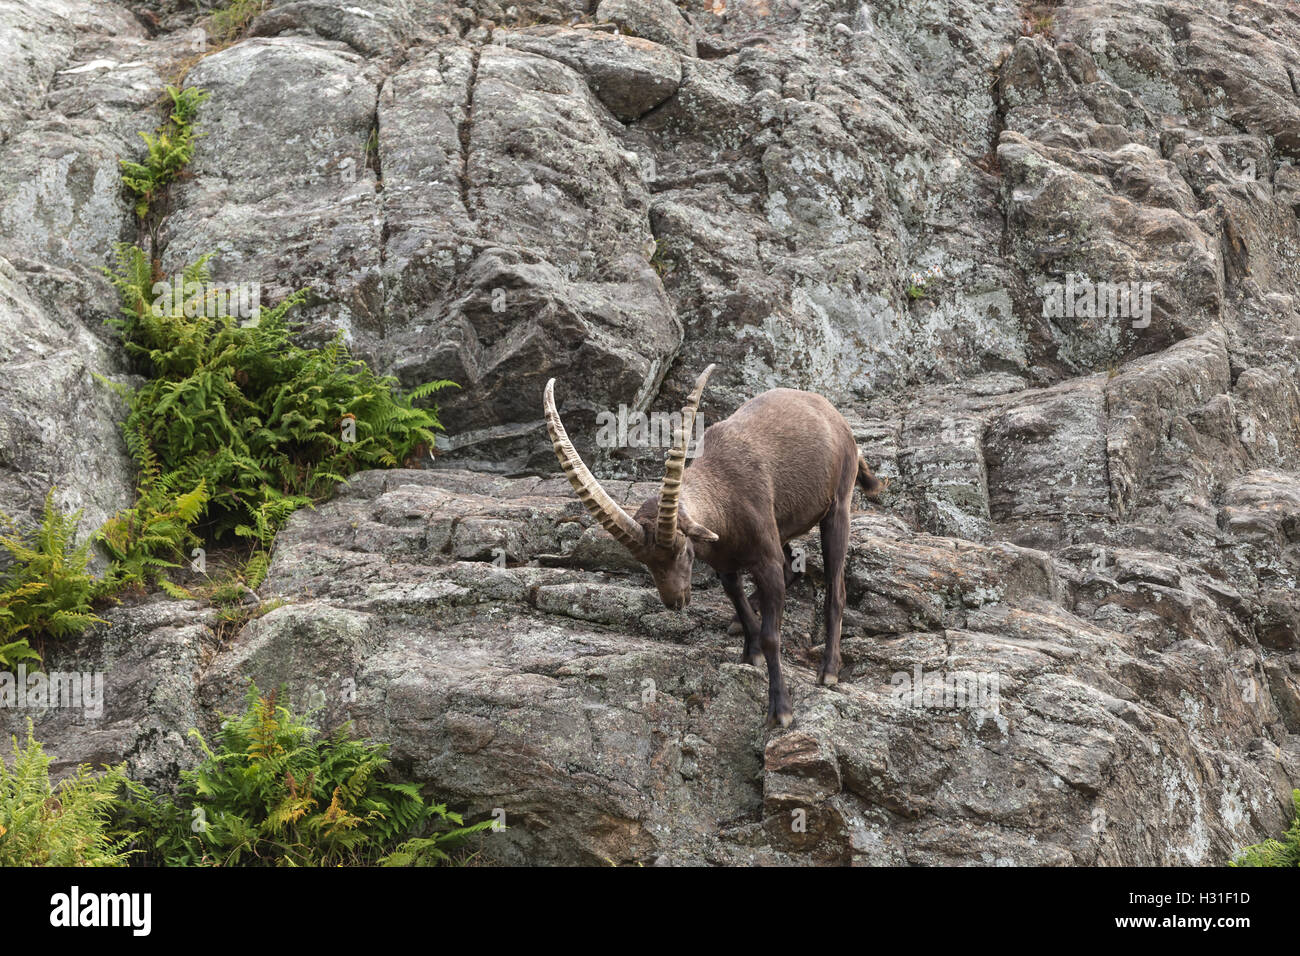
(696, 532)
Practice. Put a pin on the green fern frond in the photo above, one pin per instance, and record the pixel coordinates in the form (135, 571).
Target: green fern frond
(1284, 852)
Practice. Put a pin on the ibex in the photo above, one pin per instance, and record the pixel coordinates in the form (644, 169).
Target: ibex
(785, 461)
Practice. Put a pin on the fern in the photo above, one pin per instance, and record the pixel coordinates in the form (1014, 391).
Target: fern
(167, 151)
(256, 568)
(450, 833)
(1284, 852)
(66, 825)
(46, 592)
(15, 653)
(273, 792)
(159, 524)
(264, 425)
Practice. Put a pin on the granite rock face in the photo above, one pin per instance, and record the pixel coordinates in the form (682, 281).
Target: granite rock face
(81, 81)
(1052, 280)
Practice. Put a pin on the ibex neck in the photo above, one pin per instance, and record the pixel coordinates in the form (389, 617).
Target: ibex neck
(701, 501)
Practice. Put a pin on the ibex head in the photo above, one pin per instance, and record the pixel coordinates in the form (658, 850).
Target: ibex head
(662, 536)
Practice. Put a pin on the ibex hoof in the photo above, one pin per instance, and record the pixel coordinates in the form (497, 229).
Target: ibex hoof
(735, 627)
(753, 660)
(780, 716)
(828, 680)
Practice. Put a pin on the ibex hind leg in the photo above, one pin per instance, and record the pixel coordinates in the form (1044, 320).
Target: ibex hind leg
(771, 598)
(835, 547)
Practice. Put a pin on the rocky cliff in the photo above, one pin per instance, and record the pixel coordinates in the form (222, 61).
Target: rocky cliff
(1045, 258)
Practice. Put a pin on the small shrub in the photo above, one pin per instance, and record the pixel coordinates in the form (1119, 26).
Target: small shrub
(228, 24)
(660, 260)
(65, 825)
(1283, 852)
(169, 150)
(918, 286)
(273, 792)
(1037, 20)
(265, 425)
(236, 602)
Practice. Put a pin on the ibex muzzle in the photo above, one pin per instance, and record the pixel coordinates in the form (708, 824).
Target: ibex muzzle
(785, 461)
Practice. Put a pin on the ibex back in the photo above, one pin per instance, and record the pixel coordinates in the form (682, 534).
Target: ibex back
(785, 461)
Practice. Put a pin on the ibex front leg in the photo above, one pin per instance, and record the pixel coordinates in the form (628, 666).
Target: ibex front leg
(749, 625)
(737, 625)
(770, 579)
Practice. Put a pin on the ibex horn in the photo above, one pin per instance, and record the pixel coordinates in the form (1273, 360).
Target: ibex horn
(671, 490)
(600, 505)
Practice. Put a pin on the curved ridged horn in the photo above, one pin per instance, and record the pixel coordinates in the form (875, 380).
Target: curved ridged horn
(600, 505)
(671, 490)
